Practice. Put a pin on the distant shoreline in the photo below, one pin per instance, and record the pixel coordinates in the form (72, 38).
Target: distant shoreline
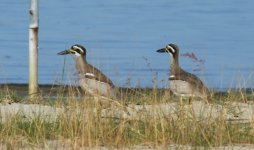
(23, 88)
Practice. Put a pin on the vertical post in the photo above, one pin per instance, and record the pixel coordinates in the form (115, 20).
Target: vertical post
(33, 49)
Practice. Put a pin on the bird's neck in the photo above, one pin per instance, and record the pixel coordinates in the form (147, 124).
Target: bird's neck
(174, 64)
(81, 63)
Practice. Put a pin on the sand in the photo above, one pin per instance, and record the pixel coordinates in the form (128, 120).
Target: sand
(233, 112)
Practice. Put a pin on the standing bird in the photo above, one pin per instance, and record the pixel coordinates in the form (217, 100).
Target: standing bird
(183, 83)
(91, 79)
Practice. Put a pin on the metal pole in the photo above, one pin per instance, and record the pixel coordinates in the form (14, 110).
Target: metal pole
(33, 49)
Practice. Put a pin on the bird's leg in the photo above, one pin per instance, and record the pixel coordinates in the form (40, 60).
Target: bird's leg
(181, 109)
(181, 101)
(181, 105)
(97, 106)
(190, 100)
(83, 95)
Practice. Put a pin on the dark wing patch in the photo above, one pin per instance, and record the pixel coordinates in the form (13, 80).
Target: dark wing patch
(191, 78)
(94, 73)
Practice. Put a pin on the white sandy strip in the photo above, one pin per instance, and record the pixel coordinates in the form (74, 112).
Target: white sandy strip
(68, 145)
(235, 112)
(28, 111)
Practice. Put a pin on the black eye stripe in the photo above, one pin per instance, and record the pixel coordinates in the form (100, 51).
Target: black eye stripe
(77, 50)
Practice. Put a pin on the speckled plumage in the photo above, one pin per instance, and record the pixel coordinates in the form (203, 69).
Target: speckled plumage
(91, 79)
(183, 83)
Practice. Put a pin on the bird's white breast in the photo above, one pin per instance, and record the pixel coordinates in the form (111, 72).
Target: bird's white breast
(183, 88)
(96, 87)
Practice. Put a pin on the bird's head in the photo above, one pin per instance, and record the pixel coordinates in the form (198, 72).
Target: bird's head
(172, 49)
(77, 50)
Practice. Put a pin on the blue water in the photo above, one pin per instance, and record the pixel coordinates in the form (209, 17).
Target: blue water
(121, 38)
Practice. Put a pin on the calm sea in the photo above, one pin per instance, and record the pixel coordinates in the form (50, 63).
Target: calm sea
(121, 37)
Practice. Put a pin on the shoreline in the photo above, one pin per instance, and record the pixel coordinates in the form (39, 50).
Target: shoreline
(51, 90)
(49, 86)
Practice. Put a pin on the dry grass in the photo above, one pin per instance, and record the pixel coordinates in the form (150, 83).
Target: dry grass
(81, 126)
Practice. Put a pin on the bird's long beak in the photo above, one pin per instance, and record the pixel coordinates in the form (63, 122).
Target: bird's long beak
(162, 50)
(68, 51)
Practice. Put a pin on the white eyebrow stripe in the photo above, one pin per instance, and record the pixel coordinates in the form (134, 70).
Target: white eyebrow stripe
(77, 47)
(173, 50)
